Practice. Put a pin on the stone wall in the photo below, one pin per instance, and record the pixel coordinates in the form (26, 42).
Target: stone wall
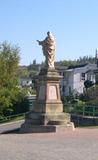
(84, 120)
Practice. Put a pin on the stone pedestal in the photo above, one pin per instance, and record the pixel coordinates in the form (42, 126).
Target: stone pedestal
(47, 115)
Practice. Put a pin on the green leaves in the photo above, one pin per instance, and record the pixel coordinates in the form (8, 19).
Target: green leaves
(5, 99)
(9, 60)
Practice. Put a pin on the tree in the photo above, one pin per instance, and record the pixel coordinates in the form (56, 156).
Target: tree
(79, 61)
(9, 60)
(88, 84)
(10, 94)
(23, 71)
(90, 96)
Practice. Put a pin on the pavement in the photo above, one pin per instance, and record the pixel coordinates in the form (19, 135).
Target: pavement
(6, 127)
(80, 144)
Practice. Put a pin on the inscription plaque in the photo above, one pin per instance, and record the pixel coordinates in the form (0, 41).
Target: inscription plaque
(52, 93)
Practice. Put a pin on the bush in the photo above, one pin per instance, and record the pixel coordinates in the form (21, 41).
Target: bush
(90, 96)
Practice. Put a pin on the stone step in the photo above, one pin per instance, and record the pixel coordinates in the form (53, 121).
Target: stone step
(27, 128)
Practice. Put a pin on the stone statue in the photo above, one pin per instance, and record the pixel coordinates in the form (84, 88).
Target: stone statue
(48, 47)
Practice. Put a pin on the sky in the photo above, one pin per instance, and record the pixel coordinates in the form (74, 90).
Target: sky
(73, 23)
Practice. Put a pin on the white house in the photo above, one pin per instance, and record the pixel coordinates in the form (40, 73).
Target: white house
(25, 81)
(74, 78)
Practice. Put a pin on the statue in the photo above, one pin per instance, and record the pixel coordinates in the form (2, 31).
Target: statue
(48, 47)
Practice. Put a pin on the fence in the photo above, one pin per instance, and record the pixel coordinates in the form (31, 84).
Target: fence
(89, 111)
(31, 99)
(13, 117)
(84, 110)
(88, 116)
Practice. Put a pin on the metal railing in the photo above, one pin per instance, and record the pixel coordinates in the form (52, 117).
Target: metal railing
(90, 110)
(13, 117)
(84, 110)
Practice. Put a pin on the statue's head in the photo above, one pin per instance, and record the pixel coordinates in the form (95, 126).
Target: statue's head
(48, 33)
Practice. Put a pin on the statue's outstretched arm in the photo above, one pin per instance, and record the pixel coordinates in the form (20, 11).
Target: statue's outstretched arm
(40, 42)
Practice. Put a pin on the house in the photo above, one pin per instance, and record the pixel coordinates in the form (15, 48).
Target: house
(25, 81)
(74, 78)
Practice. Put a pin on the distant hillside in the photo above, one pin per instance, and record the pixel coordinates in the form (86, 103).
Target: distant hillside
(32, 69)
(80, 61)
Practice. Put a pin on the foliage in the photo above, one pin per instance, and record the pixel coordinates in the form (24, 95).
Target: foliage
(88, 84)
(86, 59)
(74, 107)
(79, 61)
(23, 71)
(10, 94)
(13, 101)
(90, 96)
(76, 104)
(20, 101)
(66, 63)
(34, 67)
(72, 104)
(9, 59)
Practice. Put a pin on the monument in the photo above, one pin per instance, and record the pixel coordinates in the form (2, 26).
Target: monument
(47, 114)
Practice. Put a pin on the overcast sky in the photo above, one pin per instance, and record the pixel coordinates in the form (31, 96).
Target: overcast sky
(74, 24)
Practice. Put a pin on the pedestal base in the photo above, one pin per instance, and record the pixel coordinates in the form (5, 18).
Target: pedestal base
(43, 122)
(45, 129)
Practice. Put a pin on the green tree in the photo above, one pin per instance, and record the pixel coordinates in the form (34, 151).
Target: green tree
(10, 94)
(90, 96)
(9, 60)
(79, 61)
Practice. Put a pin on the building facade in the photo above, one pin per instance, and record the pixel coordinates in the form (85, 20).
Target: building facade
(74, 78)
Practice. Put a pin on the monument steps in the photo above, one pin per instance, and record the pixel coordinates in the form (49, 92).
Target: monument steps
(46, 128)
(47, 118)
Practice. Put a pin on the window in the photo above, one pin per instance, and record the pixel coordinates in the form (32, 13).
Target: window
(63, 89)
(82, 76)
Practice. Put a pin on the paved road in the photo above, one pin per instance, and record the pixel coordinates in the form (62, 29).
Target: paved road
(81, 144)
(10, 126)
